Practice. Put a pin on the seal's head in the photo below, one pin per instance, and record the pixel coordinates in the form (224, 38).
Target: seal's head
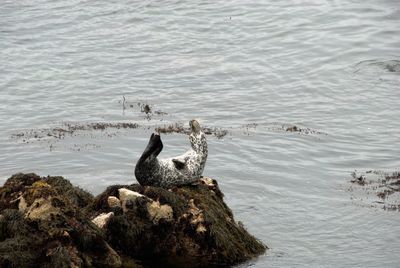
(194, 126)
(197, 137)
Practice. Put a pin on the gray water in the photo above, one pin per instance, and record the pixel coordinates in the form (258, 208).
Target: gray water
(246, 67)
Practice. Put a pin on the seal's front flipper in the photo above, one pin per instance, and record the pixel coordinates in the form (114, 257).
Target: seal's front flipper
(179, 164)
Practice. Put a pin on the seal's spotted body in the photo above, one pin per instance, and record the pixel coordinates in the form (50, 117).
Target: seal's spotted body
(180, 170)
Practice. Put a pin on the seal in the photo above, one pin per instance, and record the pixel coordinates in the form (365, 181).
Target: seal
(184, 169)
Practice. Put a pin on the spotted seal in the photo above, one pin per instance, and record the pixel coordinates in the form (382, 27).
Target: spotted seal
(180, 170)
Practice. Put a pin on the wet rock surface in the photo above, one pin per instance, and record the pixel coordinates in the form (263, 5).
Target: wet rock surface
(47, 222)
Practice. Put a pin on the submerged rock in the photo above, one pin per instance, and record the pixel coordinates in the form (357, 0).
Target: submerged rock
(47, 222)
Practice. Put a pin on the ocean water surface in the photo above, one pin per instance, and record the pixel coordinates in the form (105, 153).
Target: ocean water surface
(307, 92)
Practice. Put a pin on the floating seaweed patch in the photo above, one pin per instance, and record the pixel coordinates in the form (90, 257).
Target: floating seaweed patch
(179, 128)
(70, 129)
(302, 130)
(93, 130)
(377, 188)
(110, 129)
(280, 127)
(377, 65)
(145, 108)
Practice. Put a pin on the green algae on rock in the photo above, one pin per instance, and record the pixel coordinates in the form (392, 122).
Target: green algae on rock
(47, 222)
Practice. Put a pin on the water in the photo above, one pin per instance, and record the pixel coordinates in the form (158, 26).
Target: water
(249, 68)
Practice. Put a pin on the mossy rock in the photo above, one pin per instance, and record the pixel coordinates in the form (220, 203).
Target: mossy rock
(50, 230)
(48, 222)
(202, 233)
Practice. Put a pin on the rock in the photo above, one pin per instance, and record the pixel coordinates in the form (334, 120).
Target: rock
(112, 258)
(183, 226)
(196, 214)
(212, 185)
(48, 222)
(125, 194)
(158, 212)
(207, 181)
(201, 229)
(102, 220)
(22, 206)
(41, 209)
(127, 197)
(53, 230)
(113, 202)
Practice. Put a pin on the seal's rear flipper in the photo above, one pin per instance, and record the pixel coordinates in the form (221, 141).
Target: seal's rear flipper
(154, 147)
(157, 144)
